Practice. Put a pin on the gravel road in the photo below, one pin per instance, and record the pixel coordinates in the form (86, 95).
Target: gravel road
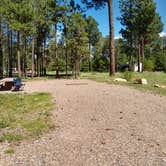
(97, 125)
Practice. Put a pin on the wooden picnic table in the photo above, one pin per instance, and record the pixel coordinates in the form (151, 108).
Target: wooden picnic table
(6, 84)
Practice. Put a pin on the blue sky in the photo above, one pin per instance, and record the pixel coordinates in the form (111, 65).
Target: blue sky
(101, 16)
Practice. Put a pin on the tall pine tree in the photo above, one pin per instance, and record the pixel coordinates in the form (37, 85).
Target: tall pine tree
(141, 24)
(99, 4)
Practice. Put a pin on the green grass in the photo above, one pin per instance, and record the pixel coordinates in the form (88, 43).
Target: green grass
(9, 151)
(152, 78)
(24, 115)
(36, 127)
(11, 137)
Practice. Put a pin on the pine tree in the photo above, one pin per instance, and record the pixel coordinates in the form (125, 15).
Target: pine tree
(142, 24)
(18, 15)
(99, 4)
(93, 36)
(77, 40)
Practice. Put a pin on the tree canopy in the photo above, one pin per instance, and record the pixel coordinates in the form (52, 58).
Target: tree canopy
(37, 36)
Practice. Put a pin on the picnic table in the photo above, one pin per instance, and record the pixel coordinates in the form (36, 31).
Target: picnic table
(14, 84)
(6, 84)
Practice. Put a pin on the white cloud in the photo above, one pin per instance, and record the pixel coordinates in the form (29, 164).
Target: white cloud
(162, 34)
(117, 37)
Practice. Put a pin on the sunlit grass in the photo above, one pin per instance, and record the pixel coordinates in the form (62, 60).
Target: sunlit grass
(9, 151)
(24, 115)
(11, 137)
(152, 78)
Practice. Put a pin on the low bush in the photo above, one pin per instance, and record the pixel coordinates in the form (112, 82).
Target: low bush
(149, 65)
(128, 75)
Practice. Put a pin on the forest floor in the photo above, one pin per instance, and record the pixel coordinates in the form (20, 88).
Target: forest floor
(97, 124)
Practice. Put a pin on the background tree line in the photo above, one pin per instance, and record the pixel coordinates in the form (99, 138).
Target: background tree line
(47, 35)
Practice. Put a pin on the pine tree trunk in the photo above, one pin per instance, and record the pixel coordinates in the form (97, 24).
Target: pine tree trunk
(111, 38)
(1, 52)
(56, 49)
(139, 57)
(41, 65)
(89, 58)
(72, 61)
(33, 56)
(75, 69)
(18, 54)
(66, 61)
(57, 64)
(40, 56)
(9, 52)
(56, 54)
(37, 59)
(116, 60)
(44, 69)
(25, 57)
(131, 63)
(142, 53)
(65, 47)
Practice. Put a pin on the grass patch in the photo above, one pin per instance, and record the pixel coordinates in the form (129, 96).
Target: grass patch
(36, 127)
(24, 115)
(152, 78)
(9, 151)
(11, 137)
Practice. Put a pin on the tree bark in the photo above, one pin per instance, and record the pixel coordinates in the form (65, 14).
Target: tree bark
(142, 53)
(131, 63)
(56, 54)
(57, 63)
(72, 61)
(1, 52)
(77, 68)
(9, 52)
(38, 56)
(44, 68)
(25, 57)
(139, 57)
(18, 54)
(33, 56)
(66, 49)
(66, 61)
(89, 58)
(41, 58)
(111, 38)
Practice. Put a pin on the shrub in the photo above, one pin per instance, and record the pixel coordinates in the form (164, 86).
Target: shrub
(128, 75)
(160, 62)
(149, 65)
(3, 123)
(85, 65)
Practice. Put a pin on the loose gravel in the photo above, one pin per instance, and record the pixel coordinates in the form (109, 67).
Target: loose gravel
(96, 125)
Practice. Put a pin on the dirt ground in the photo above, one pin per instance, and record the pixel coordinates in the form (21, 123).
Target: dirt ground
(97, 125)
